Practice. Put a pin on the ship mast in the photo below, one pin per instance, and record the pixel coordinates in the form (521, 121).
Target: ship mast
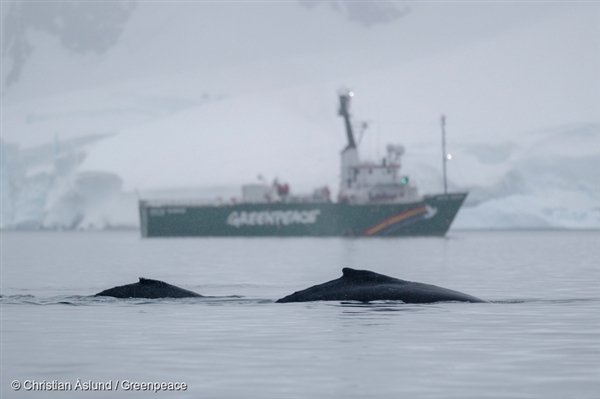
(445, 157)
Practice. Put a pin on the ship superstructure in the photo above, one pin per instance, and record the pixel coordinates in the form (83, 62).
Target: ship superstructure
(375, 199)
(369, 182)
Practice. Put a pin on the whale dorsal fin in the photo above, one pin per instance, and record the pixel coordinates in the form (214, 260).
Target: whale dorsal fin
(367, 276)
(148, 281)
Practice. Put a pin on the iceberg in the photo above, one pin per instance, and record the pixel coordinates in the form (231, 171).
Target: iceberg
(552, 182)
(43, 188)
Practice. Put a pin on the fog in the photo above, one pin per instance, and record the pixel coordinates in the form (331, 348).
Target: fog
(104, 102)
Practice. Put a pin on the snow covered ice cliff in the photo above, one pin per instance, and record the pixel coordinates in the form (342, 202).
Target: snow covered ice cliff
(551, 179)
(42, 187)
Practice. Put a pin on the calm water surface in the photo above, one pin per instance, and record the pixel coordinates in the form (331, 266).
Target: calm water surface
(539, 338)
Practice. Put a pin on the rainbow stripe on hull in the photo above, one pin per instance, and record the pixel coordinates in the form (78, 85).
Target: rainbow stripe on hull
(397, 221)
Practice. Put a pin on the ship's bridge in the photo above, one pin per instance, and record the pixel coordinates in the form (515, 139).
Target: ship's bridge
(370, 174)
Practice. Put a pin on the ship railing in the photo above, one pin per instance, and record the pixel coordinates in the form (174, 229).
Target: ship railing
(184, 202)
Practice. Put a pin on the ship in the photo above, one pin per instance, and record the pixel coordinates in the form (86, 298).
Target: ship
(375, 200)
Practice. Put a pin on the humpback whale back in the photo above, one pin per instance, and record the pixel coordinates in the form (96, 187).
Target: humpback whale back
(148, 288)
(366, 286)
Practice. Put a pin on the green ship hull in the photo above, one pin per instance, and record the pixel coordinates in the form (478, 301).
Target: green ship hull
(430, 217)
